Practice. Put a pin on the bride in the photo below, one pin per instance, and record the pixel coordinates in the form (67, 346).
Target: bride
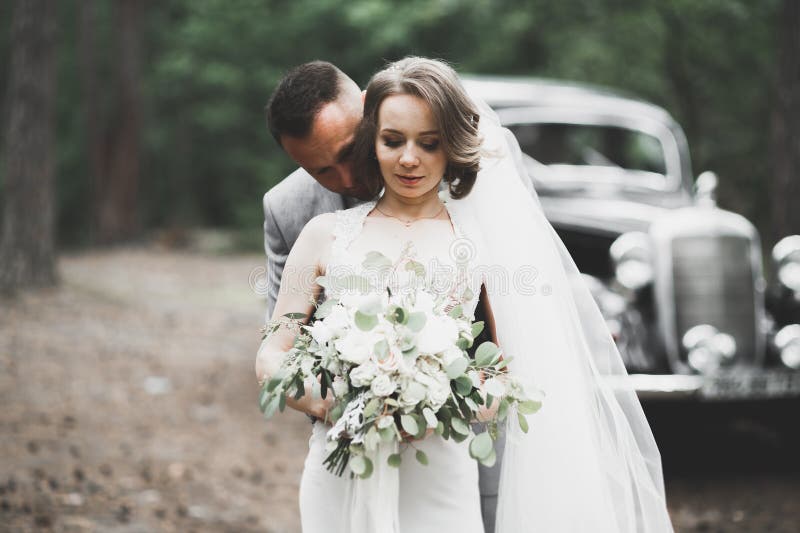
(589, 461)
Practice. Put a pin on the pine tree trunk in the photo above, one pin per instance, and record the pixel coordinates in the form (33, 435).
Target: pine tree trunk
(27, 255)
(91, 96)
(117, 185)
(785, 186)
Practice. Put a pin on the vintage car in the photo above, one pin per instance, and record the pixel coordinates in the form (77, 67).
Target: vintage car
(679, 280)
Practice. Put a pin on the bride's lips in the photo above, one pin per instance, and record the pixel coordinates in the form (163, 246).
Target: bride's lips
(408, 180)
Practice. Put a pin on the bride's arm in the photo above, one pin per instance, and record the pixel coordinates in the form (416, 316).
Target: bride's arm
(298, 292)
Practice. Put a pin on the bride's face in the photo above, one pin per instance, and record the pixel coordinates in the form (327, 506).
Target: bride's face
(408, 147)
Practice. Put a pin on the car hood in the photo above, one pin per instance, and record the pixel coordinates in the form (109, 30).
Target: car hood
(600, 215)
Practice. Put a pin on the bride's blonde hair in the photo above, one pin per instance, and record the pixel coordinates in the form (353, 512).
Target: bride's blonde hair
(456, 115)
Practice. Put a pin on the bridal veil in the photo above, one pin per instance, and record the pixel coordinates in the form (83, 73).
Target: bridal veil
(589, 461)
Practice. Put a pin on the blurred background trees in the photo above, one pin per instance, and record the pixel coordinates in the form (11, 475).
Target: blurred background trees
(160, 118)
(27, 256)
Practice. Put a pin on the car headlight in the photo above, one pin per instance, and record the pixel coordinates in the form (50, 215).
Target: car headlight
(631, 257)
(787, 341)
(786, 255)
(708, 348)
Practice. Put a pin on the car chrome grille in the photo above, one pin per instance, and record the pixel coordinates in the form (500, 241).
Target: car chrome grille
(713, 284)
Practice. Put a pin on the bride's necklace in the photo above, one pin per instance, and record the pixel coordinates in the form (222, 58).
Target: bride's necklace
(408, 222)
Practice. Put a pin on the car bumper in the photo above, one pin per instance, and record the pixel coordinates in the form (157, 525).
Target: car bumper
(750, 384)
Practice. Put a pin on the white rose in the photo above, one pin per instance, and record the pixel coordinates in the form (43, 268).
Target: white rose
(413, 393)
(382, 386)
(362, 375)
(439, 393)
(439, 334)
(356, 346)
(337, 321)
(340, 387)
(320, 332)
(390, 362)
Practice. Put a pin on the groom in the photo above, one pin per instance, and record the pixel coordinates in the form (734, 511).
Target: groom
(313, 115)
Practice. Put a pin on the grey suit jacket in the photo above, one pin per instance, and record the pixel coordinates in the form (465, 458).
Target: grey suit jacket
(288, 206)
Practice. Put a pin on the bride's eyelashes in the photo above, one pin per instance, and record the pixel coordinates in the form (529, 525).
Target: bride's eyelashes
(428, 146)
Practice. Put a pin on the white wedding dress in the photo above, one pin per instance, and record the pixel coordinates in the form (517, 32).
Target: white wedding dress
(442, 496)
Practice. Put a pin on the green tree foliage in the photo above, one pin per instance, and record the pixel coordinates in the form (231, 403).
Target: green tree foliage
(210, 66)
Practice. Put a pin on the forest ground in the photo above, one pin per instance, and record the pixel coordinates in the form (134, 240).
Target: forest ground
(129, 405)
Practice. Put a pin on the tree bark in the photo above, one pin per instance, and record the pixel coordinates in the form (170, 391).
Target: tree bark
(117, 176)
(27, 250)
(95, 149)
(785, 125)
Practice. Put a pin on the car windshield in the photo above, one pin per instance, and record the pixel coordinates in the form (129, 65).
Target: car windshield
(621, 148)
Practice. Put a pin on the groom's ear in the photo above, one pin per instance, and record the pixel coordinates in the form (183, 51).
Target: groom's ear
(363, 96)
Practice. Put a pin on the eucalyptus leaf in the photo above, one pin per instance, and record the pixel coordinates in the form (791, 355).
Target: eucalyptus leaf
(361, 466)
(458, 437)
(376, 261)
(282, 402)
(263, 398)
(490, 460)
(439, 428)
(274, 382)
(481, 446)
(463, 385)
(456, 312)
(523, 422)
(529, 407)
(371, 439)
(398, 315)
(457, 368)
(365, 322)
(486, 353)
(430, 417)
(416, 267)
(477, 328)
(325, 308)
(468, 294)
(295, 316)
(409, 424)
(421, 457)
(459, 426)
(471, 403)
(272, 406)
(421, 425)
(372, 407)
(385, 421)
(301, 390)
(335, 413)
(394, 460)
(388, 433)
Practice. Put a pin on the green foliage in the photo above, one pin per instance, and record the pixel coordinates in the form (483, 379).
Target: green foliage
(208, 67)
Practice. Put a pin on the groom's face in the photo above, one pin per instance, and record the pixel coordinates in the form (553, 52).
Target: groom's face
(326, 153)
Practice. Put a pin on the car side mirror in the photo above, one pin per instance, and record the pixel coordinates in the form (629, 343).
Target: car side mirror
(705, 189)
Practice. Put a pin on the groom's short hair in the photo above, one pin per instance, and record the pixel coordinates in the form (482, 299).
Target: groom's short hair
(300, 95)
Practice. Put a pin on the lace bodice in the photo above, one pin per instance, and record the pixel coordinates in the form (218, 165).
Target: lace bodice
(448, 259)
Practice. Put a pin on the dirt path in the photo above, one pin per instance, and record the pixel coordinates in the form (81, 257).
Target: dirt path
(129, 405)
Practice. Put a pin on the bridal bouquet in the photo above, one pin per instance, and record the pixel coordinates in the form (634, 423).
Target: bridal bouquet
(395, 359)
